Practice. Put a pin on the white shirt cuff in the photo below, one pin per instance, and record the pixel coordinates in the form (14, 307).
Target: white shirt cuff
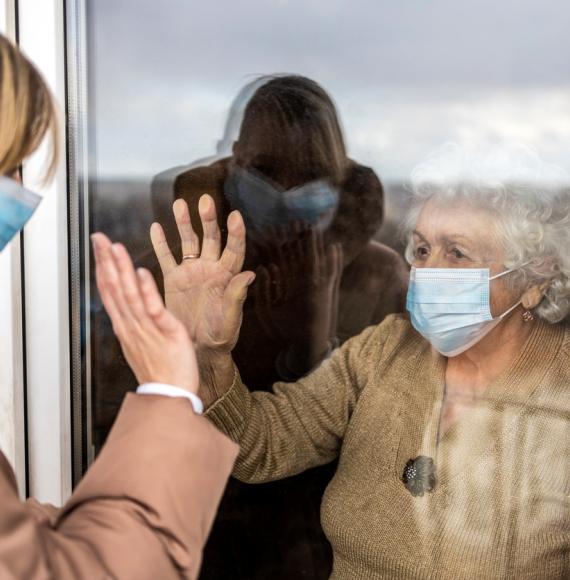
(172, 391)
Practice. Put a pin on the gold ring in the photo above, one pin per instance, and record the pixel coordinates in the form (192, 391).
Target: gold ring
(190, 256)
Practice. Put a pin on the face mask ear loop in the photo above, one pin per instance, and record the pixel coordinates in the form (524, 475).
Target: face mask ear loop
(501, 316)
(509, 271)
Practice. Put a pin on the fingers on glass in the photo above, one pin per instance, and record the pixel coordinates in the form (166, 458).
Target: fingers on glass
(233, 255)
(96, 242)
(149, 292)
(128, 283)
(161, 248)
(188, 237)
(234, 297)
(101, 246)
(153, 303)
(108, 283)
(211, 243)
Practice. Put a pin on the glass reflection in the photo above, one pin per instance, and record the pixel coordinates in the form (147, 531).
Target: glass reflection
(402, 91)
(310, 214)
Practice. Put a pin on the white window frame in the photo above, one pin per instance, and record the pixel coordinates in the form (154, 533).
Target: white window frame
(46, 271)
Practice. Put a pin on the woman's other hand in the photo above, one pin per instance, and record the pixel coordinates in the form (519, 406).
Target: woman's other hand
(296, 297)
(155, 344)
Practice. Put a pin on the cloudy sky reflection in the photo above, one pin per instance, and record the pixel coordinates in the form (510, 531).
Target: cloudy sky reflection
(407, 75)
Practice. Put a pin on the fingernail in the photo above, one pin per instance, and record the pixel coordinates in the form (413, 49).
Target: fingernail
(116, 249)
(204, 202)
(250, 281)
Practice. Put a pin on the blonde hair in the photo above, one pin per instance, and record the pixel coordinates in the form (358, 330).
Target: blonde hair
(27, 111)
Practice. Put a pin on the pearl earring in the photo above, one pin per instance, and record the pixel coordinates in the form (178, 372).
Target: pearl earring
(528, 316)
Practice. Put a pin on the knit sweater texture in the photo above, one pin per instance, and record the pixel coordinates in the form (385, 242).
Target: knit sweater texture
(501, 506)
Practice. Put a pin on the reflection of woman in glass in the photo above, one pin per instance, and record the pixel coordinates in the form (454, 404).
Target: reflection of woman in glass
(289, 166)
(451, 425)
(310, 214)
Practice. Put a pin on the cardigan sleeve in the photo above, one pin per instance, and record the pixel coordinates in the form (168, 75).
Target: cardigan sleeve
(298, 425)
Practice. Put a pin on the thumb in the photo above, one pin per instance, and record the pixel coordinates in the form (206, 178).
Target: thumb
(234, 297)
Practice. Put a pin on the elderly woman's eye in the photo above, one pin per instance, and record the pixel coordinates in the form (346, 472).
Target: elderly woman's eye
(458, 254)
(421, 252)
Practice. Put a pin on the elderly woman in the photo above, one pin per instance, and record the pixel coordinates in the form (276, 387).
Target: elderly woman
(450, 424)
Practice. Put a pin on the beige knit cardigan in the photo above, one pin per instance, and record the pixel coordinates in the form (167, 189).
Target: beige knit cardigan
(501, 507)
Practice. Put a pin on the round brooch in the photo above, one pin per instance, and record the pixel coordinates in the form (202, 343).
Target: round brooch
(419, 475)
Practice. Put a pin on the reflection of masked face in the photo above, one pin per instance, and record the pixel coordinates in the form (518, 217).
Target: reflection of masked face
(264, 204)
(17, 205)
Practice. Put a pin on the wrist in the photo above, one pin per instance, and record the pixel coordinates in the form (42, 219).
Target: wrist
(216, 374)
(188, 384)
(218, 360)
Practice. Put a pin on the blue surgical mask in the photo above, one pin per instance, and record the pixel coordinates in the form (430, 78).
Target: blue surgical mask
(264, 205)
(450, 307)
(17, 204)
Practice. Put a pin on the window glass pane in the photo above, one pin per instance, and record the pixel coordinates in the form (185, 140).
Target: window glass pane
(310, 117)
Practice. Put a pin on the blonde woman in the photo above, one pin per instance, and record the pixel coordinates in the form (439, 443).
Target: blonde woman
(145, 507)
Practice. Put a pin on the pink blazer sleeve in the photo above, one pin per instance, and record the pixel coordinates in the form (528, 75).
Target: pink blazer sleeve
(143, 510)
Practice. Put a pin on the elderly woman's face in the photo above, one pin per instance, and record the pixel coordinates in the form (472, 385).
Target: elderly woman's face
(461, 236)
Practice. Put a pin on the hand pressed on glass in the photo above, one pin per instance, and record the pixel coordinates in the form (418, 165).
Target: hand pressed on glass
(155, 344)
(206, 293)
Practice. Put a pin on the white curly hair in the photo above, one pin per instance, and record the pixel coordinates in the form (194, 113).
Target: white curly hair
(529, 200)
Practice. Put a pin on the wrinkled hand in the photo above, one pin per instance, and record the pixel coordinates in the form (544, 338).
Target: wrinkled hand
(296, 295)
(155, 344)
(206, 291)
